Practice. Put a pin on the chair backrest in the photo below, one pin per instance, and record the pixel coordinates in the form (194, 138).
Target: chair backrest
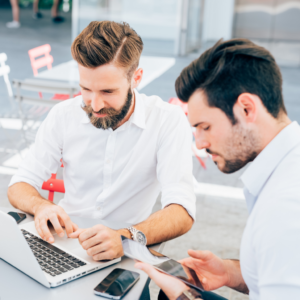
(4, 71)
(33, 110)
(53, 185)
(45, 60)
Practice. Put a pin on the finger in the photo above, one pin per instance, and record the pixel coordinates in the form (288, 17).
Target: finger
(106, 255)
(75, 227)
(90, 232)
(57, 227)
(38, 229)
(94, 241)
(204, 255)
(67, 222)
(152, 273)
(45, 231)
(75, 234)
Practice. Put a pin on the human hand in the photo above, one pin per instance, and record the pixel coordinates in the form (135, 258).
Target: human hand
(171, 286)
(211, 270)
(100, 242)
(57, 216)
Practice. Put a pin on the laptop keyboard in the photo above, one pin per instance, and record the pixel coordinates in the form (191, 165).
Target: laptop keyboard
(52, 260)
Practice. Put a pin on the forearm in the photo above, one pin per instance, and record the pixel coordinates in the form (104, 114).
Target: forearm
(235, 278)
(165, 224)
(25, 197)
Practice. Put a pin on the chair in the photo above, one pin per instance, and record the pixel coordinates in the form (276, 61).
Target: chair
(40, 57)
(6, 149)
(53, 185)
(33, 114)
(33, 110)
(184, 106)
(4, 71)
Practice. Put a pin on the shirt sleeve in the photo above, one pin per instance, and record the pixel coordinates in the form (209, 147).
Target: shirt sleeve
(174, 162)
(44, 155)
(277, 248)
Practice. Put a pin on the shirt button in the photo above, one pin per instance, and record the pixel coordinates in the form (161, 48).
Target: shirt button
(99, 208)
(108, 161)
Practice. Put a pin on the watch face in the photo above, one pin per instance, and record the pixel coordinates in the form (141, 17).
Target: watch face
(141, 238)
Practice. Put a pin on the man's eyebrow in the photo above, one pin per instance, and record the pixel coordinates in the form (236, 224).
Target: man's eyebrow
(83, 86)
(110, 90)
(104, 90)
(196, 125)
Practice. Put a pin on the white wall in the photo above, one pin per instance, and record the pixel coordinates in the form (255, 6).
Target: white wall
(218, 19)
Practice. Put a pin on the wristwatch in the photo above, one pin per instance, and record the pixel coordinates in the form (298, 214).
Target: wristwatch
(137, 236)
(190, 294)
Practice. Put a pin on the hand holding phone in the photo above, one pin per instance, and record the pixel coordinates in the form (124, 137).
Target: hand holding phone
(117, 283)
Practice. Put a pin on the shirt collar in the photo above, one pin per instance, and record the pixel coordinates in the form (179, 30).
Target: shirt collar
(138, 116)
(257, 174)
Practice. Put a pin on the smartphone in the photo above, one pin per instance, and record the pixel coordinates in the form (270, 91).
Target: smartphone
(161, 262)
(19, 217)
(117, 283)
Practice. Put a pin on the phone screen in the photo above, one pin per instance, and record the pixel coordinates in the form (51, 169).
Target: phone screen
(161, 262)
(117, 282)
(19, 217)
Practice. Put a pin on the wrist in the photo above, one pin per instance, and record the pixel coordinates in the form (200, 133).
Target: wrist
(230, 273)
(38, 203)
(125, 232)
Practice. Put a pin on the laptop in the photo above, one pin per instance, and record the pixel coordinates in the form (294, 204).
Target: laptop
(50, 264)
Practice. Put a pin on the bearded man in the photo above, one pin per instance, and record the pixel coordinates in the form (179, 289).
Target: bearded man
(235, 103)
(119, 148)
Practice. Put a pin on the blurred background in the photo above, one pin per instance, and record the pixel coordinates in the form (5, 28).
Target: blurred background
(174, 32)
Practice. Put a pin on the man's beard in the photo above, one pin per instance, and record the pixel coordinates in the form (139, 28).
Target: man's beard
(113, 118)
(241, 148)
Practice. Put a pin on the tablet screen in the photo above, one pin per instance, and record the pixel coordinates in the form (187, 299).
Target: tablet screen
(161, 262)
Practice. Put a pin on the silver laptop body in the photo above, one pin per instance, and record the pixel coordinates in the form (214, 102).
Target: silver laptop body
(22, 247)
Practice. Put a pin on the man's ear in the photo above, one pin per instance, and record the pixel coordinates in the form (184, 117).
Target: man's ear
(246, 107)
(136, 78)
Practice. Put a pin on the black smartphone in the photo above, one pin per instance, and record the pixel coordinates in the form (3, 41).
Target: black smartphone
(19, 217)
(117, 283)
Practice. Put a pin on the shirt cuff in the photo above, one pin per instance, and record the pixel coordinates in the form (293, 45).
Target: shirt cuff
(185, 198)
(16, 179)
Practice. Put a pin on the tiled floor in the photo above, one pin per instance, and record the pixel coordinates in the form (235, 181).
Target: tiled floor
(220, 221)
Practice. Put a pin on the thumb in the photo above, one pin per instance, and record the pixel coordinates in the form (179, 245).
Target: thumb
(75, 234)
(146, 268)
(203, 255)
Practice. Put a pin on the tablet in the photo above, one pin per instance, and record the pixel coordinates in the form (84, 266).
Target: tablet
(161, 262)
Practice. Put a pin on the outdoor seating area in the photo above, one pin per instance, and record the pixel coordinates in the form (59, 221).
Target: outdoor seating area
(39, 76)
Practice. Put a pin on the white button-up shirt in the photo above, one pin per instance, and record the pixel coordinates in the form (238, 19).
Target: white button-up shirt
(115, 174)
(270, 248)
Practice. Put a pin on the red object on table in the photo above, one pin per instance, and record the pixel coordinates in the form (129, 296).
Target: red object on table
(45, 60)
(53, 185)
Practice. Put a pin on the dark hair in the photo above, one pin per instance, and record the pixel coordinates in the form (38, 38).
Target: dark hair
(104, 42)
(229, 69)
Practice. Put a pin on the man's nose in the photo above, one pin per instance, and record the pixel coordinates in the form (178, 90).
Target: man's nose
(201, 143)
(97, 103)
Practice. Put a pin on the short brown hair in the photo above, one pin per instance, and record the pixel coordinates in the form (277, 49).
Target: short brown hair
(104, 42)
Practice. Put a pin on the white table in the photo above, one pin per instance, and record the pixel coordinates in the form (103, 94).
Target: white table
(153, 68)
(16, 285)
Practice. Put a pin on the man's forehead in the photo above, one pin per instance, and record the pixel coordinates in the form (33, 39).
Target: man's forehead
(199, 110)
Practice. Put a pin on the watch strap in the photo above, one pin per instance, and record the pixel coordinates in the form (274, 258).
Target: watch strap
(132, 230)
(190, 294)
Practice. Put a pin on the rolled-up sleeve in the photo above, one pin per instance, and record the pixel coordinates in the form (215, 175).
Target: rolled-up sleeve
(44, 155)
(174, 163)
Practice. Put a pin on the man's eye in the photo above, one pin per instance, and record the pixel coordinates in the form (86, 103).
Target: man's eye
(206, 128)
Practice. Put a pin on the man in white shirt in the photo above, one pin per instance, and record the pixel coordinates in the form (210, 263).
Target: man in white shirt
(235, 102)
(119, 149)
